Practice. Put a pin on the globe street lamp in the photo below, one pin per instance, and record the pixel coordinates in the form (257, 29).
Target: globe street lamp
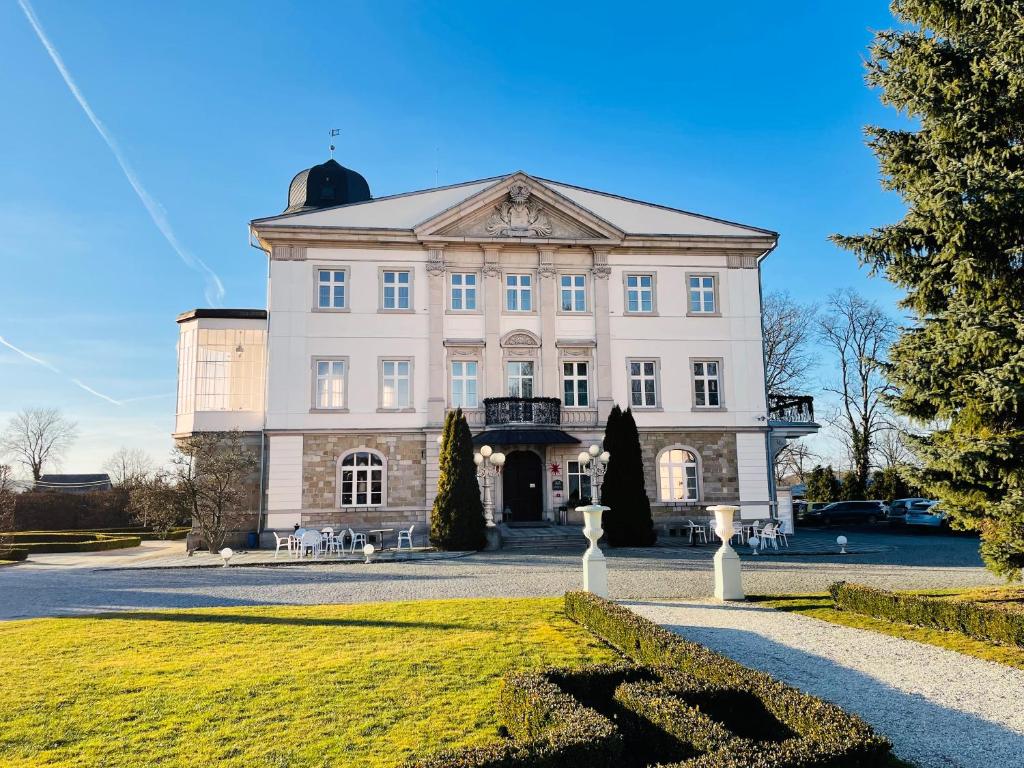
(488, 465)
(595, 571)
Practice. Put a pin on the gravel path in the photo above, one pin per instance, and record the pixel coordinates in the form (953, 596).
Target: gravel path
(912, 562)
(940, 709)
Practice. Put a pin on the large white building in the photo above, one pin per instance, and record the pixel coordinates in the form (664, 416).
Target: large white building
(533, 305)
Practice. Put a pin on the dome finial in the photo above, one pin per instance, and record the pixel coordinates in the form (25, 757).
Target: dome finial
(334, 132)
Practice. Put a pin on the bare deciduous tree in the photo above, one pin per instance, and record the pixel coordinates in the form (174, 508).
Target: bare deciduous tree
(157, 502)
(795, 460)
(7, 491)
(210, 470)
(36, 437)
(788, 333)
(129, 467)
(858, 332)
(891, 448)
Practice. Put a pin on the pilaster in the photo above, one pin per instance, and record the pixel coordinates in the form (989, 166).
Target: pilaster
(548, 303)
(435, 329)
(493, 378)
(603, 362)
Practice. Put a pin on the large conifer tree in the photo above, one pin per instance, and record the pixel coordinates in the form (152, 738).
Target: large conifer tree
(457, 521)
(628, 522)
(957, 69)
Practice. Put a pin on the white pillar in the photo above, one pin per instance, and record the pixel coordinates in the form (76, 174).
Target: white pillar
(728, 577)
(595, 568)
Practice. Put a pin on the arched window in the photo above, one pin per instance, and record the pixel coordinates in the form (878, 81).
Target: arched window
(362, 479)
(677, 475)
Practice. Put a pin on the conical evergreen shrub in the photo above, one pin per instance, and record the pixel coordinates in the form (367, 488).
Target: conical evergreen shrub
(628, 522)
(457, 521)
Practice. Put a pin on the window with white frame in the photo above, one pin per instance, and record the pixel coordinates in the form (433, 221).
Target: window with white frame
(702, 294)
(464, 384)
(574, 293)
(395, 383)
(520, 378)
(643, 383)
(575, 383)
(706, 384)
(519, 293)
(395, 286)
(677, 475)
(463, 291)
(362, 479)
(331, 383)
(331, 289)
(579, 482)
(639, 293)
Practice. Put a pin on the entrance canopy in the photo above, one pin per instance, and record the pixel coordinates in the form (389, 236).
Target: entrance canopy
(524, 437)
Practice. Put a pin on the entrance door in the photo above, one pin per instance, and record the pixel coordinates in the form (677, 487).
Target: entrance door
(521, 488)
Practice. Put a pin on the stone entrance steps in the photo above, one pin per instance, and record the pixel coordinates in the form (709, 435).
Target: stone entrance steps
(543, 537)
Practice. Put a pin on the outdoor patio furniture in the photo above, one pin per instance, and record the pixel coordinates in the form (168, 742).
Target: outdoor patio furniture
(296, 537)
(697, 531)
(282, 542)
(333, 541)
(780, 532)
(406, 536)
(357, 540)
(769, 534)
(380, 535)
(312, 541)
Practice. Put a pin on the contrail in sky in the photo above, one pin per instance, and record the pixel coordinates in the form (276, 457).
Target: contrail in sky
(55, 369)
(214, 287)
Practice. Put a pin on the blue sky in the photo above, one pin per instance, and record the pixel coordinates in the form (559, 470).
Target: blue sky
(748, 111)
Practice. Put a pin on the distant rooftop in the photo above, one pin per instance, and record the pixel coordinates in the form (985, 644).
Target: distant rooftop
(225, 314)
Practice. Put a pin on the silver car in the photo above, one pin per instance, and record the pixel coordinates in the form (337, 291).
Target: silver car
(927, 514)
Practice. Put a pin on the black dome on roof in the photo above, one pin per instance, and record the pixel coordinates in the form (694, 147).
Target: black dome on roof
(325, 185)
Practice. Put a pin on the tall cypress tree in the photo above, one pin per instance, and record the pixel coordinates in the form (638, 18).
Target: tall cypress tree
(457, 521)
(628, 522)
(956, 68)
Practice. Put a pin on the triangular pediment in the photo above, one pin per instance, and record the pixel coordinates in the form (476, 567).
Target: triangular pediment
(518, 207)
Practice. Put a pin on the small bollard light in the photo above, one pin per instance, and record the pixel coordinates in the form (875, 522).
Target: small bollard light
(227, 553)
(841, 541)
(368, 551)
(755, 544)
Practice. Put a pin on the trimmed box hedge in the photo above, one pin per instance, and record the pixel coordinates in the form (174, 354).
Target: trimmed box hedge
(15, 554)
(54, 542)
(982, 622)
(675, 704)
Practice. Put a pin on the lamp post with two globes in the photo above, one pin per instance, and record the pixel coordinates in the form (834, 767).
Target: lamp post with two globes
(595, 571)
(488, 466)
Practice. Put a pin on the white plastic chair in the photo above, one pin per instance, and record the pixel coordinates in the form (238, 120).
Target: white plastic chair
(296, 537)
(769, 533)
(780, 533)
(357, 539)
(282, 542)
(698, 531)
(405, 536)
(311, 540)
(330, 541)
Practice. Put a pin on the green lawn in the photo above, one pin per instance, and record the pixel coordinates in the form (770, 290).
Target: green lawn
(357, 685)
(820, 607)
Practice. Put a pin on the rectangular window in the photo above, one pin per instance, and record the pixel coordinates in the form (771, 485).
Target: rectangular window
(643, 384)
(520, 379)
(518, 293)
(331, 289)
(574, 293)
(395, 384)
(706, 384)
(579, 483)
(702, 294)
(396, 287)
(639, 293)
(464, 384)
(331, 378)
(575, 385)
(463, 291)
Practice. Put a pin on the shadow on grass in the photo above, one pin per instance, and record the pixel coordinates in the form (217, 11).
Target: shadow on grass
(297, 621)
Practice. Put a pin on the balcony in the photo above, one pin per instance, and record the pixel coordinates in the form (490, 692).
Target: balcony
(520, 411)
(791, 409)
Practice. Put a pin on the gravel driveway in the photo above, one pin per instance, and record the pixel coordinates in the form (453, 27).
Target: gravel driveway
(940, 709)
(45, 590)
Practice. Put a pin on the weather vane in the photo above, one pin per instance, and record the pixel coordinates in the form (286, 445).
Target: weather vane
(334, 132)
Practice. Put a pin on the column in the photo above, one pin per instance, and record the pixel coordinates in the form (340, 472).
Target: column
(548, 303)
(435, 329)
(492, 383)
(602, 324)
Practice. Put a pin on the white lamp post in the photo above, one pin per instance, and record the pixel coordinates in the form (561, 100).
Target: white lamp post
(595, 569)
(841, 541)
(728, 579)
(488, 466)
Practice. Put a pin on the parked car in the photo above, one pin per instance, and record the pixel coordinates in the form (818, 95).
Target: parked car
(927, 514)
(846, 512)
(898, 510)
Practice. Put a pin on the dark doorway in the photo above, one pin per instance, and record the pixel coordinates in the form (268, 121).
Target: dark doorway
(521, 487)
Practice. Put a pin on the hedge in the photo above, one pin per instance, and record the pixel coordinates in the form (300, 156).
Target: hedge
(53, 510)
(976, 620)
(12, 553)
(675, 704)
(52, 542)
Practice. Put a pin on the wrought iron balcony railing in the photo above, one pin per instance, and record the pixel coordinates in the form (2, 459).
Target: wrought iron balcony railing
(502, 411)
(795, 409)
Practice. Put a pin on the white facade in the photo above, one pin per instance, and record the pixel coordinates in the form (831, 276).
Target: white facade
(384, 314)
